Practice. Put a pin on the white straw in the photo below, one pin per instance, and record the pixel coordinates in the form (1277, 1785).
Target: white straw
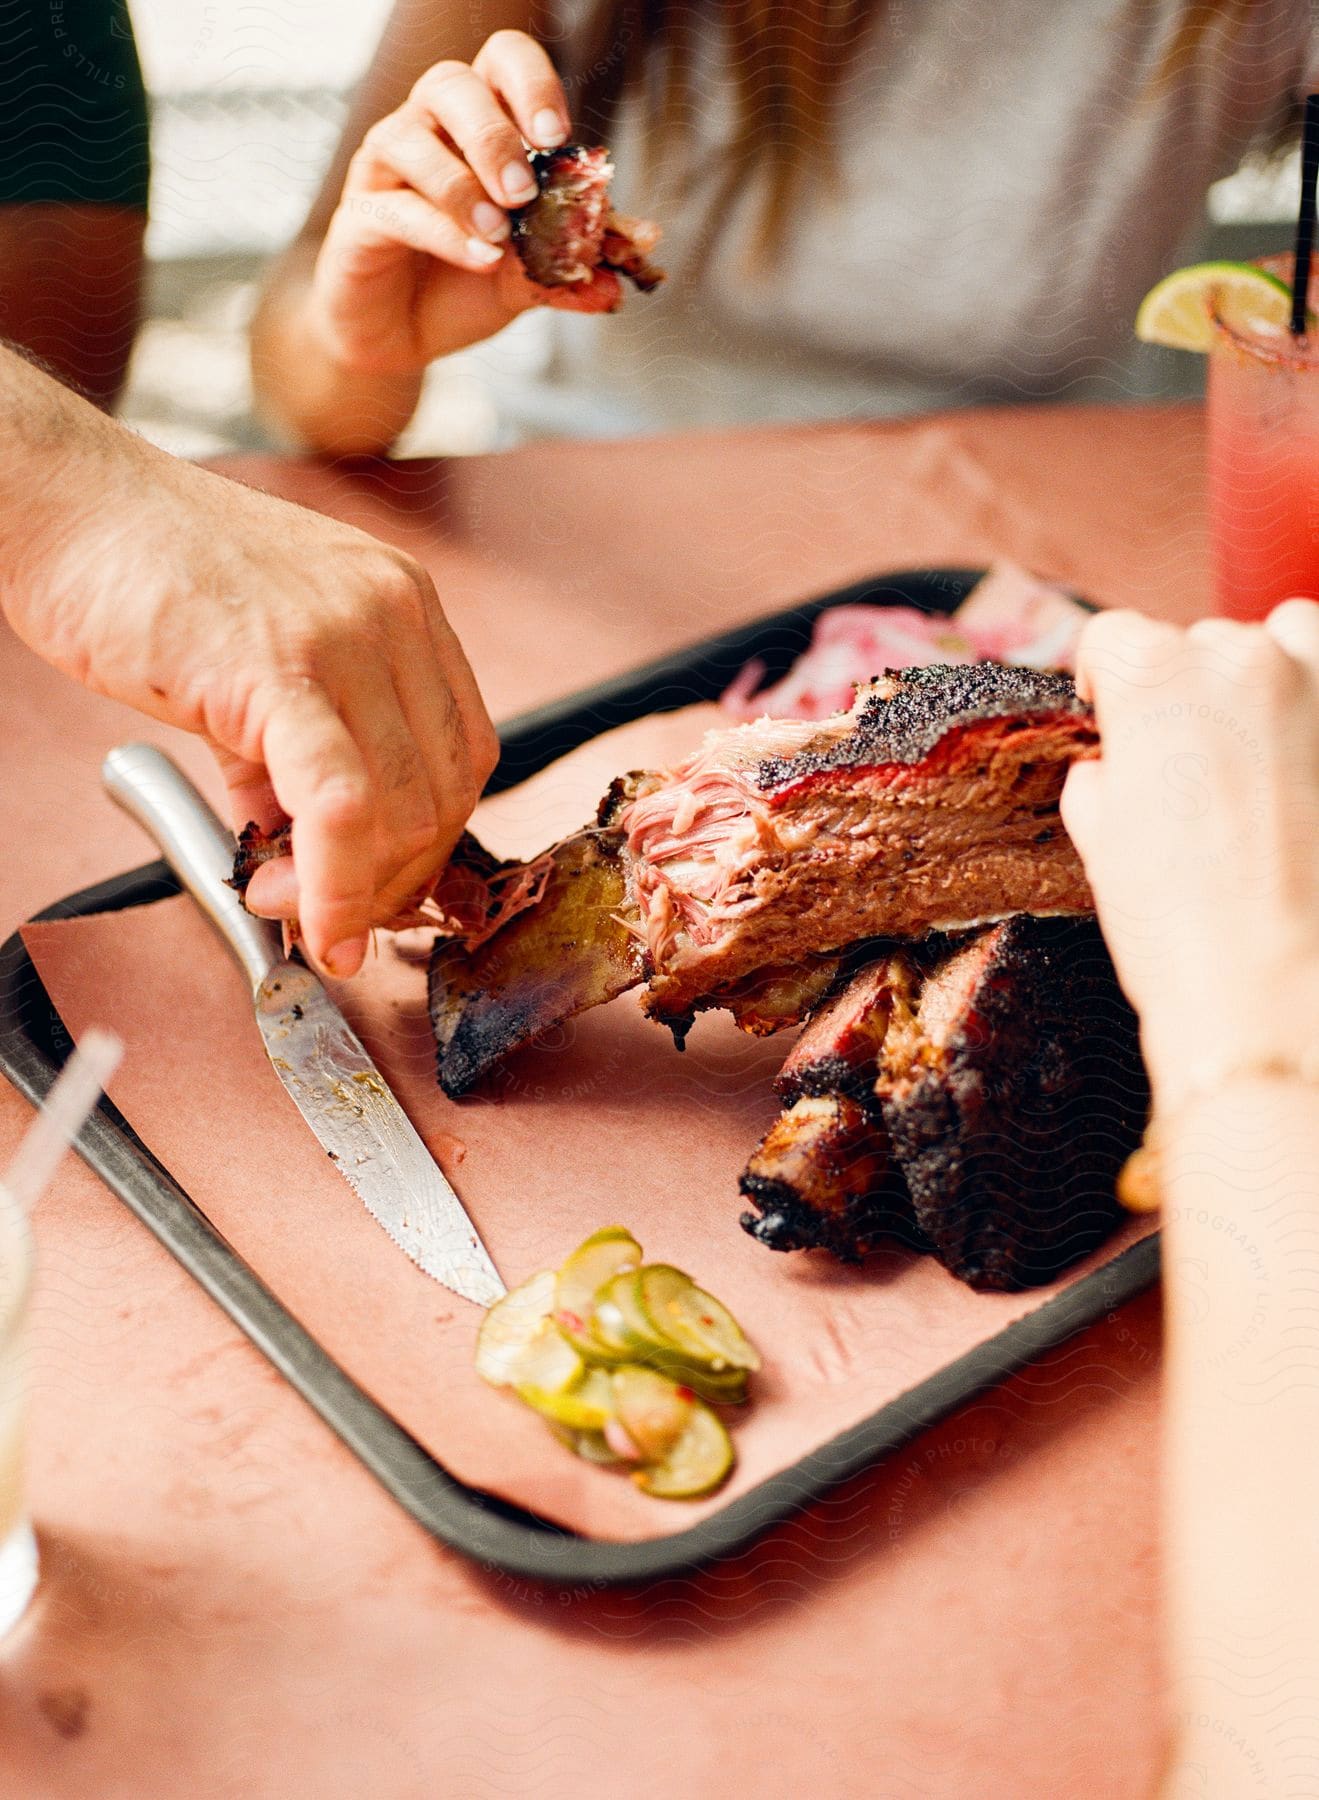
(62, 1117)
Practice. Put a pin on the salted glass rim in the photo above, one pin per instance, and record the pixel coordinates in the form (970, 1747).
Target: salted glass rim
(1278, 349)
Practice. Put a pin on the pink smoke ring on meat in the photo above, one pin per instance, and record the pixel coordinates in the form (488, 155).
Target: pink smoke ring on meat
(931, 806)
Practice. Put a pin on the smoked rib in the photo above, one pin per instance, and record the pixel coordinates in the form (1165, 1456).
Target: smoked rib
(987, 1121)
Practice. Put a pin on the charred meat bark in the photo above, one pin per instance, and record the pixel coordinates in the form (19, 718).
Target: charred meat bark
(822, 1179)
(570, 231)
(976, 1100)
(1012, 1091)
(931, 806)
(548, 964)
(255, 847)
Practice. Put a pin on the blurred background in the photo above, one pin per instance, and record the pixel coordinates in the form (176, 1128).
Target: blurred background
(247, 103)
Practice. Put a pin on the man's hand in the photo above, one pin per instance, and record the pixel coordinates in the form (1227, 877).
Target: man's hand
(316, 661)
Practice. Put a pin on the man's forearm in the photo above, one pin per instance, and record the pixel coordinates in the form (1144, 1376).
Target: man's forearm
(71, 480)
(37, 412)
(60, 461)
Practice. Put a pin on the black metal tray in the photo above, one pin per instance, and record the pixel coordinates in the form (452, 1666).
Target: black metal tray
(34, 1044)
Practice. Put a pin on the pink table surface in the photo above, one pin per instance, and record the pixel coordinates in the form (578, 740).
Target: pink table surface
(232, 1607)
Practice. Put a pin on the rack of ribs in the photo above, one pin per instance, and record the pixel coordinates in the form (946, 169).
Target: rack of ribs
(749, 871)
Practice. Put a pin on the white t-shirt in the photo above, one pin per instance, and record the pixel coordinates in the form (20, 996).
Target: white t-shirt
(1012, 179)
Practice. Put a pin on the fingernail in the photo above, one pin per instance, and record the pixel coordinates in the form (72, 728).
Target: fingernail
(490, 221)
(347, 958)
(548, 128)
(518, 183)
(481, 252)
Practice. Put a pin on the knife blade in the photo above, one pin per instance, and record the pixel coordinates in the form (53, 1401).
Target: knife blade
(322, 1064)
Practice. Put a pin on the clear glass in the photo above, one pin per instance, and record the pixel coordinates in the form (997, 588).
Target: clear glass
(18, 1550)
(1263, 400)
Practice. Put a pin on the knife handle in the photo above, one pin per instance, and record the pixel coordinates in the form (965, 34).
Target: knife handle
(153, 790)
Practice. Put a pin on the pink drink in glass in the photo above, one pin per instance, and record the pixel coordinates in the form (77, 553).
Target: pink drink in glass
(1264, 463)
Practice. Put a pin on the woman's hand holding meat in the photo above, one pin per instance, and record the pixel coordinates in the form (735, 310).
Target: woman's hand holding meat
(317, 662)
(1199, 829)
(416, 260)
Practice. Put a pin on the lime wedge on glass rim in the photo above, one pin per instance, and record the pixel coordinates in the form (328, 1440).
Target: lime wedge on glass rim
(1179, 311)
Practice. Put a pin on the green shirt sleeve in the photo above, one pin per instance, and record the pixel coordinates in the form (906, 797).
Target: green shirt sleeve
(73, 108)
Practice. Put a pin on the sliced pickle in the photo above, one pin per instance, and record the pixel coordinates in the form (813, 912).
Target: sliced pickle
(727, 1388)
(701, 1326)
(509, 1327)
(619, 1359)
(627, 1329)
(696, 1464)
(652, 1410)
(586, 1405)
(586, 1271)
(623, 1324)
(589, 1445)
(607, 1332)
(548, 1363)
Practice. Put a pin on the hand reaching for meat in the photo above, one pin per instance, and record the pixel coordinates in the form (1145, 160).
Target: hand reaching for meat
(1199, 830)
(416, 261)
(316, 661)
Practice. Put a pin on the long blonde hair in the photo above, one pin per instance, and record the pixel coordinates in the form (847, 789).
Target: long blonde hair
(788, 60)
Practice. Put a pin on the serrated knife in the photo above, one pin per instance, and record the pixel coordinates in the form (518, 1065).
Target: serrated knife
(325, 1070)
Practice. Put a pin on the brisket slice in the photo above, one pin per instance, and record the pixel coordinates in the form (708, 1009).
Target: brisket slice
(746, 875)
(1012, 1093)
(931, 807)
(838, 1051)
(570, 230)
(823, 1177)
(976, 1100)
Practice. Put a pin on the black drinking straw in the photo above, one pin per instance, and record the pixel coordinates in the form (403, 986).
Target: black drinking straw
(1305, 218)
